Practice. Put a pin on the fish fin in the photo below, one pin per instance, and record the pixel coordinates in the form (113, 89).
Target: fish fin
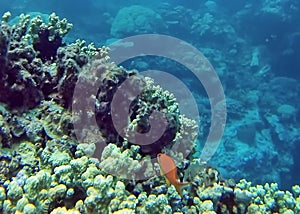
(168, 182)
(179, 186)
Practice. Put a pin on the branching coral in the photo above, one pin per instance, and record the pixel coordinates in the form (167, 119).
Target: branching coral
(25, 46)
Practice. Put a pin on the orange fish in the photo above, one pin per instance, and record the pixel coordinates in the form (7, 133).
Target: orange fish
(169, 170)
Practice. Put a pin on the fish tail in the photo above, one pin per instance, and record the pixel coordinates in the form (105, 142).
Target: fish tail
(179, 187)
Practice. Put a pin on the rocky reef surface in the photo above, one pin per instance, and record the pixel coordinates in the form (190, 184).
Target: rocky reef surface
(44, 169)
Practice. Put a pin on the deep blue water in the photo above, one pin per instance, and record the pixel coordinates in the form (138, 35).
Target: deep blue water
(254, 48)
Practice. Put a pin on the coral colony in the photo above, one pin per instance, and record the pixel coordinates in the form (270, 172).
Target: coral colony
(45, 170)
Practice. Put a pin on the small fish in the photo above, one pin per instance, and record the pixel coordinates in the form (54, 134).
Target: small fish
(169, 170)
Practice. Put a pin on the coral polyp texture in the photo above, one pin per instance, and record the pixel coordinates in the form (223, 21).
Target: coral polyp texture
(45, 169)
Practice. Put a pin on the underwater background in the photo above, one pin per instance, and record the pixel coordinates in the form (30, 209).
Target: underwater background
(254, 48)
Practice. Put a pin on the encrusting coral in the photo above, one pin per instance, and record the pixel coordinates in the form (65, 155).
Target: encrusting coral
(45, 170)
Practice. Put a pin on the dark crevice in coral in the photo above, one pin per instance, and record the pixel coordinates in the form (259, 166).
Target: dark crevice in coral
(47, 49)
(59, 202)
(72, 149)
(79, 194)
(130, 187)
(227, 200)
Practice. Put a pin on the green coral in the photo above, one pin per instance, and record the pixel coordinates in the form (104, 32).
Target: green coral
(296, 190)
(64, 210)
(57, 192)
(54, 25)
(206, 206)
(80, 165)
(125, 163)
(108, 194)
(36, 183)
(100, 194)
(6, 16)
(268, 198)
(59, 158)
(29, 209)
(2, 195)
(22, 203)
(153, 203)
(15, 192)
(56, 120)
(127, 203)
(27, 151)
(90, 49)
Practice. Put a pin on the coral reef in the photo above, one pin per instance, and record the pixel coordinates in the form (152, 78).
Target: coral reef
(43, 169)
(258, 65)
(80, 186)
(136, 19)
(151, 98)
(26, 46)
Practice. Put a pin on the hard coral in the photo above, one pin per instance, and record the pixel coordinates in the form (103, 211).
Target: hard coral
(134, 20)
(25, 46)
(152, 98)
(47, 38)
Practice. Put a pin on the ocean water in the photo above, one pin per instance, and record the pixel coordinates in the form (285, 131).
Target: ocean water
(253, 48)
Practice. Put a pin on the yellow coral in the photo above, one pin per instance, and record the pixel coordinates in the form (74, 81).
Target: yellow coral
(124, 211)
(64, 210)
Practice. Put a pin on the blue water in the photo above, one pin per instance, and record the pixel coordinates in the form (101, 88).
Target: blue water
(253, 46)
